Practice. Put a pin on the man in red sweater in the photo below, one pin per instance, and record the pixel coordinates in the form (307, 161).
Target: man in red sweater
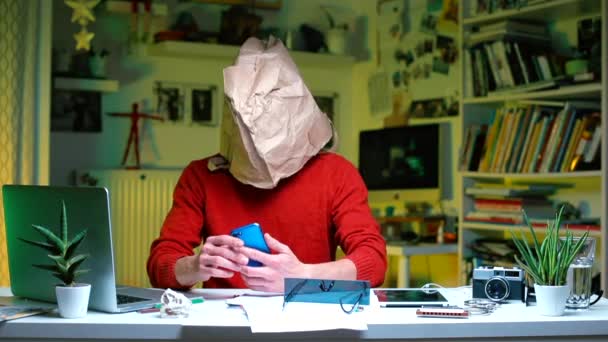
(271, 170)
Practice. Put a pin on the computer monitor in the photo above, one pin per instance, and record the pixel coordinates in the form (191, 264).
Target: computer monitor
(405, 161)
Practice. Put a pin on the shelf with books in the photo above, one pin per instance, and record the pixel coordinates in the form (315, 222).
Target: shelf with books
(579, 91)
(545, 10)
(524, 120)
(531, 176)
(532, 139)
(496, 227)
(426, 121)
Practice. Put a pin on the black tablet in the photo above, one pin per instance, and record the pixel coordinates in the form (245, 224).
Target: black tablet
(410, 297)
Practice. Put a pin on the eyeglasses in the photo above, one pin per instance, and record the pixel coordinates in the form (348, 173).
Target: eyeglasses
(350, 308)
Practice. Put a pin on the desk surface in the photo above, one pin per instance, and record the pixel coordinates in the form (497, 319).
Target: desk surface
(213, 320)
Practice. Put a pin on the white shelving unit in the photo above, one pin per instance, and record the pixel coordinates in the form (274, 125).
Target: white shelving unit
(592, 185)
(85, 84)
(182, 49)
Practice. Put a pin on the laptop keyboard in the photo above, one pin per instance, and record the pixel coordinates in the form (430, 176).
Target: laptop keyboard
(124, 299)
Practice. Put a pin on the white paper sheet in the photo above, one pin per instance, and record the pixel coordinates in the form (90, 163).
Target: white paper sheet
(266, 314)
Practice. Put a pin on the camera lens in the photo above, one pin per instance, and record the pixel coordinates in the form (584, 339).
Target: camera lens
(497, 289)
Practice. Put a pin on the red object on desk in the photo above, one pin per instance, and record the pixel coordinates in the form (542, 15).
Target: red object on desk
(135, 115)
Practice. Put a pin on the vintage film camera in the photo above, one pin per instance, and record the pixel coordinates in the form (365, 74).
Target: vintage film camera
(499, 284)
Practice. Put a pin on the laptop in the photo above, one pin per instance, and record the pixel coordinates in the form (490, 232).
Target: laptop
(86, 207)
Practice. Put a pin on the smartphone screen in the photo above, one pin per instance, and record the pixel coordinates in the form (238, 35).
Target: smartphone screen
(253, 237)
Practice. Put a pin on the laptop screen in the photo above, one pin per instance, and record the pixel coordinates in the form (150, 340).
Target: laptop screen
(86, 207)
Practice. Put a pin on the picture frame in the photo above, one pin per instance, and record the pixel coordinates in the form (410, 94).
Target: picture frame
(328, 104)
(75, 111)
(201, 106)
(170, 101)
(187, 103)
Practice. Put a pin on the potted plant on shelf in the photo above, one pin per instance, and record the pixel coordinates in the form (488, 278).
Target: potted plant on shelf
(547, 263)
(336, 35)
(72, 297)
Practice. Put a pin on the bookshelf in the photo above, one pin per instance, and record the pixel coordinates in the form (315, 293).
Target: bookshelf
(584, 186)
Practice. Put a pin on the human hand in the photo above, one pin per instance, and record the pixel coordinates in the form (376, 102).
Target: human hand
(218, 257)
(276, 267)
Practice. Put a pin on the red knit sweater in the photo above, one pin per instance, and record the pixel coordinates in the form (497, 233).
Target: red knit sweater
(322, 206)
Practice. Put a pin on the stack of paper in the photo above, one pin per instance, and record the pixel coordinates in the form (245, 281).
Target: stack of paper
(266, 314)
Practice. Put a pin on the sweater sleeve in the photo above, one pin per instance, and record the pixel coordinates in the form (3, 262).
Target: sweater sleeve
(181, 230)
(357, 231)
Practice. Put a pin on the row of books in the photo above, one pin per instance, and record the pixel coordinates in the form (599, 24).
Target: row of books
(532, 138)
(505, 220)
(484, 7)
(504, 204)
(510, 61)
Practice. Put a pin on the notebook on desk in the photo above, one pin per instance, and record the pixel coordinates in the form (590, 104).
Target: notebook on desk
(86, 207)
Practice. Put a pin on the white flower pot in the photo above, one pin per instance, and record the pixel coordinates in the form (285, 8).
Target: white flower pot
(336, 41)
(73, 301)
(551, 300)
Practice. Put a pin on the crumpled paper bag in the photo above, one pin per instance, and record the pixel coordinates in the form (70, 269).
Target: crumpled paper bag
(272, 125)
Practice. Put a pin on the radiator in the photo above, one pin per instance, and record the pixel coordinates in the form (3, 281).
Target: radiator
(139, 202)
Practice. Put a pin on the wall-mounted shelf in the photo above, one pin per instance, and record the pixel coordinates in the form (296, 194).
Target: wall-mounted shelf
(546, 11)
(525, 176)
(122, 6)
(583, 91)
(180, 49)
(480, 226)
(85, 84)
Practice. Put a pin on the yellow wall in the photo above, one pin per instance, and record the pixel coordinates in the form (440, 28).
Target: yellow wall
(178, 145)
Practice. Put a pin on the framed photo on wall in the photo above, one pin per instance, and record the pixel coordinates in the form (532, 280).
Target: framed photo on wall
(187, 103)
(76, 111)
(170, 101)
(328, 103)
(202, 103)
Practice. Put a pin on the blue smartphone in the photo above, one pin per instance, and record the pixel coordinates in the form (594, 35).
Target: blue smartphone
(253, 237)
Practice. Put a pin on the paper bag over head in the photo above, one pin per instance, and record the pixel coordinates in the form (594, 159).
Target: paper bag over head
(271, 125)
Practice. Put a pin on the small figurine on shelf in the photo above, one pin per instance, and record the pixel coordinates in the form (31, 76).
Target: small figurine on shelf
(134, 38)
(135, 115)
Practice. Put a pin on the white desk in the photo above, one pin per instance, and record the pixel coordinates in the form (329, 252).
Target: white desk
(212, 320)
(405, 252)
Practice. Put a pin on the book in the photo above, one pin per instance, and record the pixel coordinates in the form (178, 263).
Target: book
(572, 143)
(477, 147)
(11, 312)
(506, 192)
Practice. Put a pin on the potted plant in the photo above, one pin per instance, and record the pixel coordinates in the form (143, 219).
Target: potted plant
(336, 35)
(72, 297)
(547, 263)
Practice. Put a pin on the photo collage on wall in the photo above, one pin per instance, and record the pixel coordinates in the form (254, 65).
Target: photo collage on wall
(186, 103)
(418, 48)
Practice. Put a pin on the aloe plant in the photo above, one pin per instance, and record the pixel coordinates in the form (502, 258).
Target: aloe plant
(548, 262)
(62, 250)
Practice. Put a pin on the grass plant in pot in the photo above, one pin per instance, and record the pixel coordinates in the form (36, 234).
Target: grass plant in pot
(72, 297)
(547, 262)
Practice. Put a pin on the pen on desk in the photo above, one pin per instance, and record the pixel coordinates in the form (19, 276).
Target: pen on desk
(157, 307)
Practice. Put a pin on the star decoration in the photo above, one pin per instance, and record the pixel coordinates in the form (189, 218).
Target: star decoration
(82, 10)
(83, 39)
